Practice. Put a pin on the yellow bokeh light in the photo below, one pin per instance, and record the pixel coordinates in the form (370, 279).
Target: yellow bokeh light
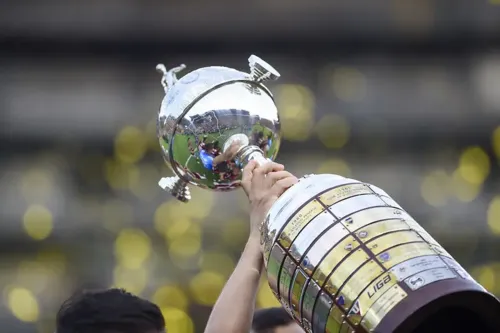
(296, 104)
(206, 287)
(171, 296)
(435, 188)
(130, 145)
(132, 280)
(495, 141)
(493, 215)
(184, 248)
(177, 320)
(23, 304)
(121, 176)
(220, 262)
(265, 297)
(132, 248)
(474, 165)
(485, 275)
(333, 131)
(335, 166)
(462, 189)
(38, 222)
(348, 84)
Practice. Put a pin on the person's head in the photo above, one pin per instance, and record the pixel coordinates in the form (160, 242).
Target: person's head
(109, 311)
(274, 320)
(209, 147)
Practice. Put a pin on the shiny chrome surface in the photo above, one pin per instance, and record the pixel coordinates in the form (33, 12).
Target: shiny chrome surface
(340, 254)
(213, 121)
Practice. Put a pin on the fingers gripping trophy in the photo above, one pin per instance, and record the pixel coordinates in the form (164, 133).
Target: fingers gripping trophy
(341, 255)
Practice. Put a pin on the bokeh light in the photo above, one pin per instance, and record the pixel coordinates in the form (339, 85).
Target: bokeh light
(206, 286)
(130, 145)
(493, 215)
(23, 304)
(474, 165)
(132, 280)
(171, 296)
(177, 320)
(333, 131)
(132, 248)
(38, 222)
(296, 104)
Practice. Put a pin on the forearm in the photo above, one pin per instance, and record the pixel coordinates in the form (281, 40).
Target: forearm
(233, 311)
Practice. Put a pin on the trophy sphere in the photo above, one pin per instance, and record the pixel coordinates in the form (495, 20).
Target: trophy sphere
(212, 121)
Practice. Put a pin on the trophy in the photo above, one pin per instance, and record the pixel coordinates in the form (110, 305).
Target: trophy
(341, 255)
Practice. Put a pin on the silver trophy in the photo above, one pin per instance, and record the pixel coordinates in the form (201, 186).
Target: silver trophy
(212, 122)
(341, 255)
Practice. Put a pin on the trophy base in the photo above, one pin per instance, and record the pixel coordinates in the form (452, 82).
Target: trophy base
(446, 306)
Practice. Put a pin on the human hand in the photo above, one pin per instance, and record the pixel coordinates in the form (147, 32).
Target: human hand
(264, 185)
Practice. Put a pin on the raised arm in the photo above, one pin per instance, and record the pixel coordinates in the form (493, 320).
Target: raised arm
(233, 311)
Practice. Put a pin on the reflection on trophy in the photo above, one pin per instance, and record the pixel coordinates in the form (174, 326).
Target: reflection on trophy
(341, 255)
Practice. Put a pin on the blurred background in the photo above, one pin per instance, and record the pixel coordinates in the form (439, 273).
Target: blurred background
(403, 94)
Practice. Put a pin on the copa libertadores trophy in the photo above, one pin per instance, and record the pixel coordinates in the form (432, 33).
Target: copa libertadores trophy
(341, 255)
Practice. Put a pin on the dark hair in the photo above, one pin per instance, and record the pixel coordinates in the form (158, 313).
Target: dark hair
(267, 320)
(108, 311)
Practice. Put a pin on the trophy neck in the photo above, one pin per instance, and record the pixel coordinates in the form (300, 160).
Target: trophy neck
(251, 153)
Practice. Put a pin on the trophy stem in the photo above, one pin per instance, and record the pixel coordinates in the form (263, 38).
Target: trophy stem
(251, 153)
(177, 187)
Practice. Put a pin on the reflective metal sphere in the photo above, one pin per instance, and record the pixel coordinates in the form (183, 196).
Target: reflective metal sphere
(212, 121)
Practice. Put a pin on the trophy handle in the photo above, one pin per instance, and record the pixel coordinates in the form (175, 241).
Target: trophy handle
(177, 187)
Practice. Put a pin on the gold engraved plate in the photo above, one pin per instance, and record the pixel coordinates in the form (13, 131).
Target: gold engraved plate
(393, 239)
(308, 300)
(311, 233)
(370, 295)
(321, 312)
(382, 306)
(354, 204)
(333, 237)
(379, 228)
(342, 192)
(342, 272)
(299, 221)
(286, 275)
(334, 320)
(358, 282)
(297, 196)
(416, 265)
(429, 276)
(367, 216)
(398, 254)
(295, 296)
(274, 265)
